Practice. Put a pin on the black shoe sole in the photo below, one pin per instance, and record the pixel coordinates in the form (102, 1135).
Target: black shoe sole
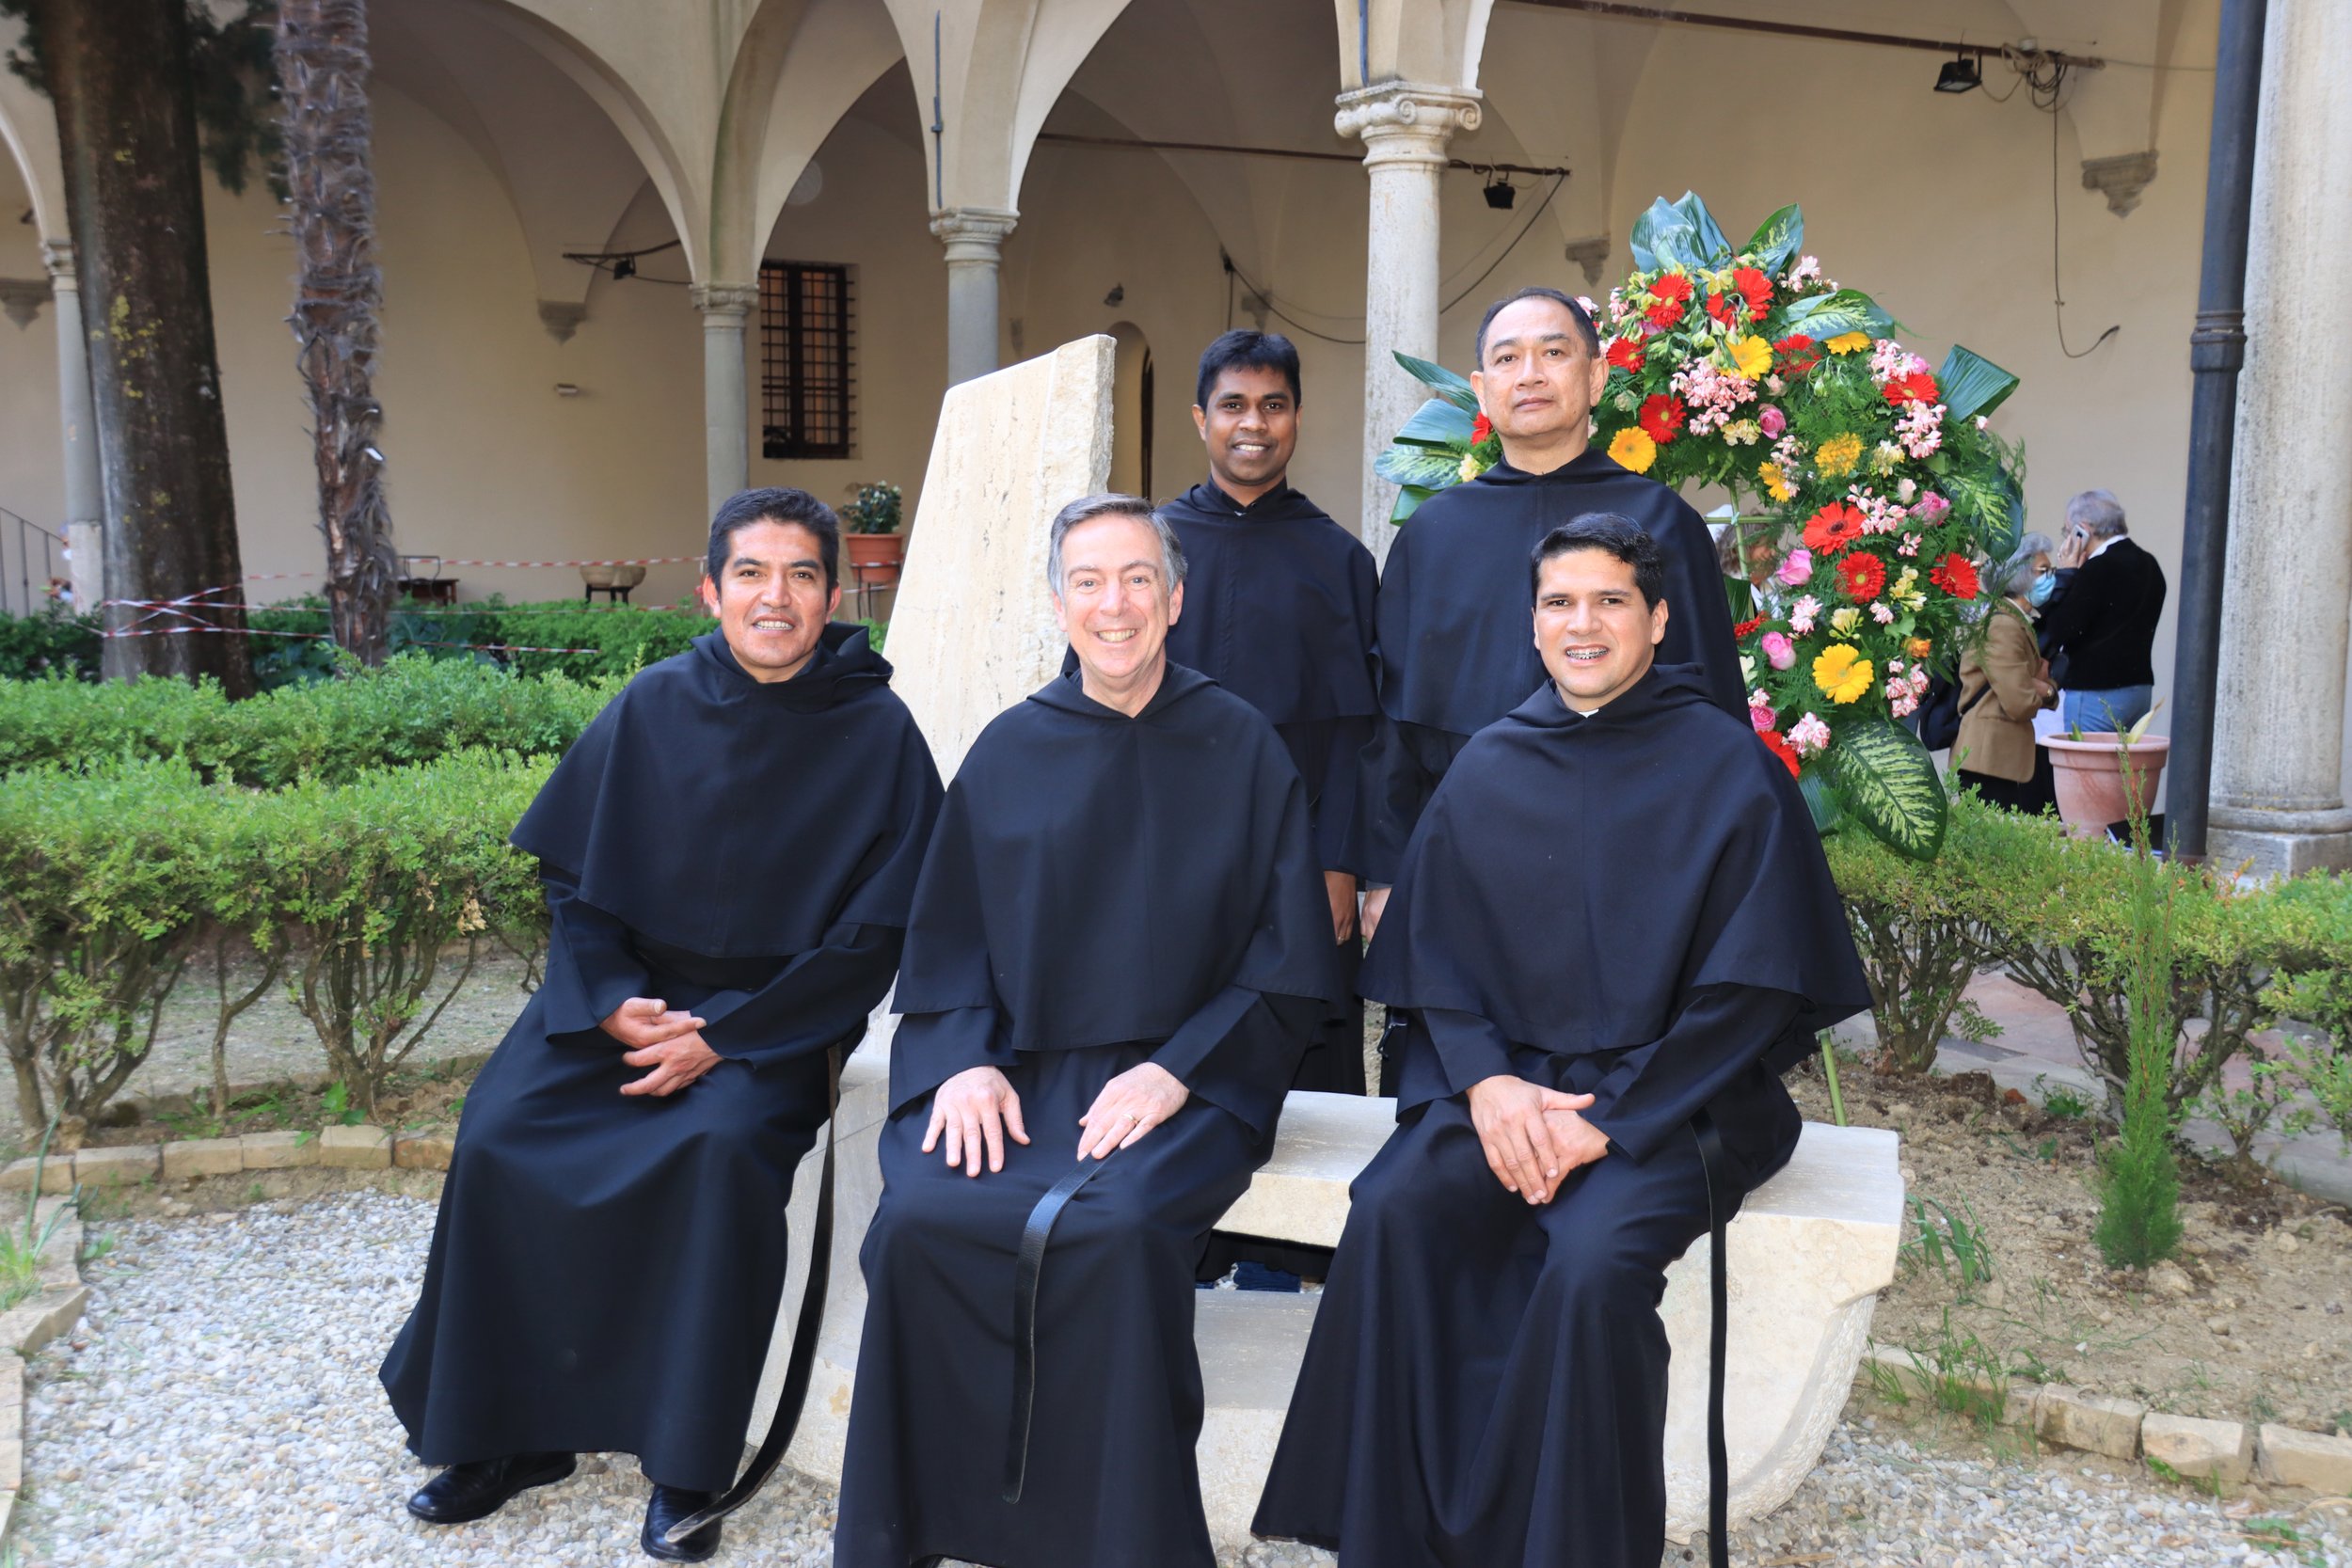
(655, 1547)
(547, 1479)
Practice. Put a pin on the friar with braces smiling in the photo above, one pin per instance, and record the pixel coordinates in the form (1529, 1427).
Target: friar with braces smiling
(729, 854)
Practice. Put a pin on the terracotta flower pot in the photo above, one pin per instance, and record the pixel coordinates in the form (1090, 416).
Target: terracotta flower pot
(875, 558)
(2091, 786)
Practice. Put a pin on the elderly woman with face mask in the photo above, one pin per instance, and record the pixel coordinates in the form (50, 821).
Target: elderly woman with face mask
(2003, 683)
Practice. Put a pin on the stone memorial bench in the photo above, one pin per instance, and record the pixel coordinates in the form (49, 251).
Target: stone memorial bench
(1809, 1253)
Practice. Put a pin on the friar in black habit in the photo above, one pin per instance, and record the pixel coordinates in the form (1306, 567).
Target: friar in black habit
(1613, 926)
(1452, 591)
(729, 852)
(1120, 946)
(1279, 610)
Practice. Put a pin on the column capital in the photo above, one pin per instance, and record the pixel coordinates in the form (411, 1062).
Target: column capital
(724, 299)
(58, 257)
(1408, 121)
(972, 234)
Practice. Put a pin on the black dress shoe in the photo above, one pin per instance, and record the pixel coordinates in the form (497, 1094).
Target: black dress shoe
(668, 1506)
(464, 1493)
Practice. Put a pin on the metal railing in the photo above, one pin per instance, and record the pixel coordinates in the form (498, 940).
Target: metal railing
(25, 587)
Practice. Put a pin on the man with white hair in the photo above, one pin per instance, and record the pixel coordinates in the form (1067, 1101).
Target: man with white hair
(1120, 946)
(2100, 631)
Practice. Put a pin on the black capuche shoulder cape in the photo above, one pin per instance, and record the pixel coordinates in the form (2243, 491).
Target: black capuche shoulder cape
(1457, 645)
(733, 819)
(1575, 879)
(1278, 604)
(1099, 880)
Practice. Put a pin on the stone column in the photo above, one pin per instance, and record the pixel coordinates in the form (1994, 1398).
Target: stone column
(1405, 127)
(2278, 761)
(974, 239)
(726, 418)
(85, 488)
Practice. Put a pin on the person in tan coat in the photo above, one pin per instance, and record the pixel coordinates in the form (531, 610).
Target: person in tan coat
(2003, 683)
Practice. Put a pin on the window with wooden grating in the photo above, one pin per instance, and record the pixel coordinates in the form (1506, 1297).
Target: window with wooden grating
(805, 360)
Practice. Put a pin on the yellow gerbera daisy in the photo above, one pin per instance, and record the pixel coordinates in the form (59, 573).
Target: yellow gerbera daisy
(1633, 448)
(1849, 342)
(1775, 483)
(1842, 673)
(1750, 356)
(1838, 455)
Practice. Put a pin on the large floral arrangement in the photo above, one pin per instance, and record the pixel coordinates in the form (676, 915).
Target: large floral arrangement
(1866, 487)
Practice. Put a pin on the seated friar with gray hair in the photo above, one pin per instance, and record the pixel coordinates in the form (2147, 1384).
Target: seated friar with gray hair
(1120, 948)
(2099, 630)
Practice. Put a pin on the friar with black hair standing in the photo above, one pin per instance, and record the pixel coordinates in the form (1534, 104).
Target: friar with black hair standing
(729, 854)
(1453, 653)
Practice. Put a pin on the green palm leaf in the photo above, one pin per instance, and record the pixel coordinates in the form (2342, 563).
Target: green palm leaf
(1778, 239)
(1419, 465)
(1438, 422)
(1441, 381)
(1972, 384)
(1887, 780)
(1827, 316)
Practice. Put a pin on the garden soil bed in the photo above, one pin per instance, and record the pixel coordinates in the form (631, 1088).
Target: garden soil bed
(2251, 1326)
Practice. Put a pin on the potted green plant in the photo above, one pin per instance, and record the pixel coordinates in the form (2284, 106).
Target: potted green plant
(2104, 778)
(870, 521)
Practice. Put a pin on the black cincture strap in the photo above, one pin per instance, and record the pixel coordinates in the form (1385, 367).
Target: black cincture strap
(804, 1359)
(1024, 1283)
(1711, 1160)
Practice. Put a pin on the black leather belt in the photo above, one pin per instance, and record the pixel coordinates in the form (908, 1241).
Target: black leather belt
(1712, 1161)
(804, 1359)
(1026, 1270)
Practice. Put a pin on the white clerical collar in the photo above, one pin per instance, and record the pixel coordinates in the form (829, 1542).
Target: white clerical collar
(2102, 547)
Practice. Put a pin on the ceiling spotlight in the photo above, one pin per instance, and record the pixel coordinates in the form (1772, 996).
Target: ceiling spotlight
(1960, 76)
(1499, 193)
(1118, 292)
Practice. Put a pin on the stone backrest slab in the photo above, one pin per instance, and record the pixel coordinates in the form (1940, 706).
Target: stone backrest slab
(972, 632)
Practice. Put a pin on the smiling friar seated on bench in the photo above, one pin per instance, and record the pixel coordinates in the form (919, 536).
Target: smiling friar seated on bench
(1613, 929)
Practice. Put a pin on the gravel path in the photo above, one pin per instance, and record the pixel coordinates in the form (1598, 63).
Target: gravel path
(221, 1407)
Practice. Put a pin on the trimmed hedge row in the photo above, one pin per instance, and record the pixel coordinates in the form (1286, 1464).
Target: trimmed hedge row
(412, 710)
(2052, 912)
(356, 885)
(618, 640)
(116, 879)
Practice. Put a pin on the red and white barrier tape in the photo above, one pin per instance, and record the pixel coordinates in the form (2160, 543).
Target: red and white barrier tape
(324, 637)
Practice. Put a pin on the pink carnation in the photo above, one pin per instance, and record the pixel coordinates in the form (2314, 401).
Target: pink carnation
(1808, 733)
(1798, 569)
(1801, 614)
(1883, 615)
(1778, 651)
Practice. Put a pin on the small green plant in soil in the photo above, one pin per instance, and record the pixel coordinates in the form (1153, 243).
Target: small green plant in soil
(22, 1246)
(335, 1104)
(1944, 1240)
(2273, 1534)
(2060, 1101)
(2140, 1173)
(1961, 1375)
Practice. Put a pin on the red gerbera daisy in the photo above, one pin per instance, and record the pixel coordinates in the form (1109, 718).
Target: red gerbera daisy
(1798, 354)
(1481, 429)
(1751, 296)
(1832, 527)
(1955, 576)
(1918, 386)
(1781, 749)
(1625, 354)
(1661, 417)
(1672, 292)
(1861, 574)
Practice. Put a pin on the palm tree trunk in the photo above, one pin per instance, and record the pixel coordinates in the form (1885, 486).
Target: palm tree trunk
(321, 73)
